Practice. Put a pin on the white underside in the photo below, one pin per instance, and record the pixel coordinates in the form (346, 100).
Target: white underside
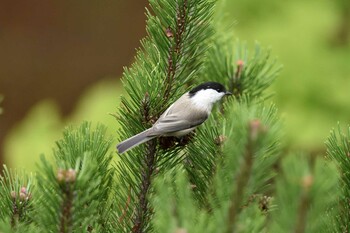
(180, 133)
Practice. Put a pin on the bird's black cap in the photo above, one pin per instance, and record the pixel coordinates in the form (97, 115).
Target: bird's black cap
(208, 85)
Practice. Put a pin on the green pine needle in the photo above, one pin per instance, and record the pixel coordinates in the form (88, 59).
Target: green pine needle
(165, 66)
(74, 193)
(338, 150)
(16, 191)
(306, 196)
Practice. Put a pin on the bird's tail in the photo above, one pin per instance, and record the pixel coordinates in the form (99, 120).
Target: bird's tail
(133, 141)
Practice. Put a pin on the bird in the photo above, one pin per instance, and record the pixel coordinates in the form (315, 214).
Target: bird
(182, 117)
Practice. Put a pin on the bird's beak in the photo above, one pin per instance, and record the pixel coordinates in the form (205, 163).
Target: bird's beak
(228, 93)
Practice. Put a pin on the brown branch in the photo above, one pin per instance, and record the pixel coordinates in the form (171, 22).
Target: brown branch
(243, 175)
(148, 168)
(143, 212)
(235, 83)
(175, 49)
(66, 179)
(66, 217)
(304, 204)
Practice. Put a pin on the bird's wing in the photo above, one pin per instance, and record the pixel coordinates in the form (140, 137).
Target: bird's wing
(178, 117)
(172, 124)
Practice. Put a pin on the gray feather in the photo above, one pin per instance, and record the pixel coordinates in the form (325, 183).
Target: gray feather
(134, 141)
(180, 116)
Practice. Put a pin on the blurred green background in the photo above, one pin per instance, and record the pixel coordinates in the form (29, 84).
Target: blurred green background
(310, 38)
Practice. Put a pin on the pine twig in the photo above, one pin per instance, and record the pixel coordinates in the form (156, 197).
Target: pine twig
(141, 218)
(15, 197)
(66, 178)
(150, 162)
(244, 175)
(304, 204)
(149, 165)
(19, 203)
(175, 50)
(235, 83)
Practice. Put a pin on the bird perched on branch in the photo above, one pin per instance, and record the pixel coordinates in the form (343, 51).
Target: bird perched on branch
(182, 117)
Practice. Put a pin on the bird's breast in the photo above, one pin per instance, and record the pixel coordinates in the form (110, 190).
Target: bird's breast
(180, 133)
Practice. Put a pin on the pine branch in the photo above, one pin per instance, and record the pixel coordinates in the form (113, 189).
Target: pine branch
(243, 176)
(175, 50)
(171, 56)
(235, 85)
(143, 211)
(242, 173)
(201, 159)
(67, 179)
(74, 194)
(338, 150)
(175, 208)
(246, 169)
(306, 190)
(304, 204)
(306, 196)
(246, 75)
(15, 197)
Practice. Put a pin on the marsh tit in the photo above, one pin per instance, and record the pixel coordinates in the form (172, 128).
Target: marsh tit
(183, 116)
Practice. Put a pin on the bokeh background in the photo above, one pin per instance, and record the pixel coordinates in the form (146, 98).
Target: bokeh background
(61, 61)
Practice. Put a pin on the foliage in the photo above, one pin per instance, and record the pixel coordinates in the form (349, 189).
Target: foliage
(338, 150)
(244, 169)
(231, 175)
(170, 59)
(306, 195)
(16, 189)
(243, 73)
(72, 195)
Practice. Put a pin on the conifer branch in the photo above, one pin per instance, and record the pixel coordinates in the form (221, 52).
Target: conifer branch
(143, 212)
(246, 75)
(73, 195)
(66, 179)
(15, 197)
(338, 150)
(150, 158)
(149, 163)
(148, 166)
(304, 204)
(244, 175)
(176, 48)
(235, 82)
(20, 202)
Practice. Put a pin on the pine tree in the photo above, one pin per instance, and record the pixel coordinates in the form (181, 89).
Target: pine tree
(231, 175)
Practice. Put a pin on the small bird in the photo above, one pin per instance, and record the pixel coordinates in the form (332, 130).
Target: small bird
(183, 116)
